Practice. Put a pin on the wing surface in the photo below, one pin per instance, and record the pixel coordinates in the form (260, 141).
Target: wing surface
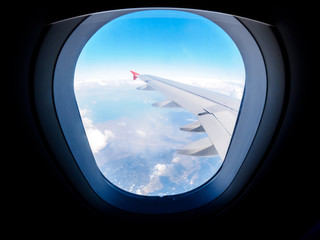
(217, 113)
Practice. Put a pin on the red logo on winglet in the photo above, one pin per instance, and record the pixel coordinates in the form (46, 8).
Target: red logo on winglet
(134, 75)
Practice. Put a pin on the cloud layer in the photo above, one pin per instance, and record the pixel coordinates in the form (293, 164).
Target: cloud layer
(138, 153)
(134, 144)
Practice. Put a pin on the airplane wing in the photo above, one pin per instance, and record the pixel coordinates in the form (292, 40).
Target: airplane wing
(217, 113)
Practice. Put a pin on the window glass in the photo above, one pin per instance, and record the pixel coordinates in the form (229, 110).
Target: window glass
(134, 143)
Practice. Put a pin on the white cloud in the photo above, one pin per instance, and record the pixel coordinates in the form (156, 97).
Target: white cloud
(185, 162)
(190, 165)
(84, 83)
(154, 183)
(159, 169)
(97, 139)
(141, 133)
(92, 78)
(123, 124)
(186, 176)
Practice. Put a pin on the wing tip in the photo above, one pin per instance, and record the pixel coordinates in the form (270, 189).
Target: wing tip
(135, 75)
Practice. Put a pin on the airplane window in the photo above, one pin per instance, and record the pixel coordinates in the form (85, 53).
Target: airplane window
(159, 110)
(142, 140)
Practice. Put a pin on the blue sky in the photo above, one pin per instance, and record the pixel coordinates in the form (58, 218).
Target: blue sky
(172, 43)
(134, 144)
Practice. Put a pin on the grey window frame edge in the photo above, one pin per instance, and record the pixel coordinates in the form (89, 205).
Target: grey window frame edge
(64, 136)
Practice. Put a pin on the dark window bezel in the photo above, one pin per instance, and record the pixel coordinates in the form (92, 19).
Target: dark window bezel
(60, 119)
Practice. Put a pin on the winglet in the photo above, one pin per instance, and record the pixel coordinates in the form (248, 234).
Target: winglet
(134, 75)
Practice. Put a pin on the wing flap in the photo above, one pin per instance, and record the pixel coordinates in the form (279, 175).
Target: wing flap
(145, 88)
(202, 147)
(193, 127)
(166, 104)
(217, 133)
(224, 115)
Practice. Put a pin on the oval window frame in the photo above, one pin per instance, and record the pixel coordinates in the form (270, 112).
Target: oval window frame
(61, 122)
